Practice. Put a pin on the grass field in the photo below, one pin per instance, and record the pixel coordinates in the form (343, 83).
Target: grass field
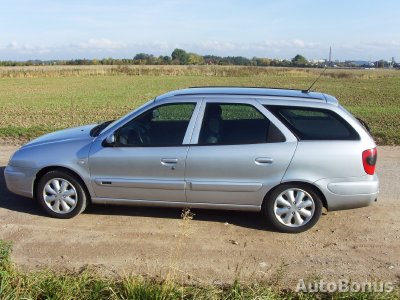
(86, 284)
(36, 100)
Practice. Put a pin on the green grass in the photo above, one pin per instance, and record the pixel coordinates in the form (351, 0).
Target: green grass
(15, 284)
(37, 100)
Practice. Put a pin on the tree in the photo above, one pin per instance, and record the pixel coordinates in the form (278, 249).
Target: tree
(299, 61)
(144, 59)
(181, 56)
(141, 56)
(164, 60)
(195, 59)
(261, 62)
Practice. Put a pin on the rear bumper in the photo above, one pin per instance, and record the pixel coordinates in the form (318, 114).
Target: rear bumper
(20, 180)
(352, 192)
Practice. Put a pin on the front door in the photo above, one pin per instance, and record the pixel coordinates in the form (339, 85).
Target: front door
(147, 160)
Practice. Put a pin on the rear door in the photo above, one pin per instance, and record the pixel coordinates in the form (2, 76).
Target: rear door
(238, 152)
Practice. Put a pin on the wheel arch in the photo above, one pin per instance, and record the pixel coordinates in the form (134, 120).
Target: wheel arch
(71, 172)
(304, 183)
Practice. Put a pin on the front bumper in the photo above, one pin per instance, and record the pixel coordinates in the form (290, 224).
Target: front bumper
(19, 180)
(346, 193)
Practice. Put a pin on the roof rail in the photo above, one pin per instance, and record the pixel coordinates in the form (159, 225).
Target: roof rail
(244, 91)
(240, 87)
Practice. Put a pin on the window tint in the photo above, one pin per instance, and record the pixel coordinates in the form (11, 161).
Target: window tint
(230, 124)
(161, 126)
(314, 123)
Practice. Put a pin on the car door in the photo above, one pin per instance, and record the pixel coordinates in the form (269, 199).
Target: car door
(238, 152)
(147, 159)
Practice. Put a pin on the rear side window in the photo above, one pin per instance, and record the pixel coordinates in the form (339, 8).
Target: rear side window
(314, 123)
(236, 124)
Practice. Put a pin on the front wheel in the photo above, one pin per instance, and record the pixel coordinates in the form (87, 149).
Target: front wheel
(61, 195)
(293, 208)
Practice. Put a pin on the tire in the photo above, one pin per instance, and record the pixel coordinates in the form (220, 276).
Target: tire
(290, 216)
(66, 204)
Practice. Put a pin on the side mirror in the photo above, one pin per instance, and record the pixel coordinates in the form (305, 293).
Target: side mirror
(110, 140)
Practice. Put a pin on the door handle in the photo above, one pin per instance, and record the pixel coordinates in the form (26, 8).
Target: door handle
(264, 160)
(168, 161)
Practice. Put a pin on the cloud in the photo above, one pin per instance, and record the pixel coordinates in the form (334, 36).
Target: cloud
(104, 45)
(267, 45)
(99, 45)
(15, 49)
(282, 48)
(219, 46)
(24, 48)
(381, 44)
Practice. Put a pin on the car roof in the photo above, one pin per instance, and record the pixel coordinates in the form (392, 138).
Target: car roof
(249, 91)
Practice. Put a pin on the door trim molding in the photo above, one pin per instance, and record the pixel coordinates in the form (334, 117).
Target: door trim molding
(224, 186)
(142, 183)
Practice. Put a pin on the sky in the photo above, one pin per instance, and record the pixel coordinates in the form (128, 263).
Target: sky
(68, 29)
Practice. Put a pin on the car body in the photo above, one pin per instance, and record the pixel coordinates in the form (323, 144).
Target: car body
(209, 147)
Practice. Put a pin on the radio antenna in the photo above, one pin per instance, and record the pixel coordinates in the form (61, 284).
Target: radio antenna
(320, 75)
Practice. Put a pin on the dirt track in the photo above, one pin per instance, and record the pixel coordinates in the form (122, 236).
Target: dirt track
(356, 244)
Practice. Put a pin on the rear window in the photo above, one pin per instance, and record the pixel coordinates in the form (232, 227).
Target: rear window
(314, 123)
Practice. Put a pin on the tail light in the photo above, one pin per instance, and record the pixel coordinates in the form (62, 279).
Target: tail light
(369, 160)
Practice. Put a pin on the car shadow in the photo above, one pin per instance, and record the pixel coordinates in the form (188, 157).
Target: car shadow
(251, 220)
(243, 219)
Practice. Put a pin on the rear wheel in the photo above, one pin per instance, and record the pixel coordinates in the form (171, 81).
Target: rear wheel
(61, 194)
(293, 208)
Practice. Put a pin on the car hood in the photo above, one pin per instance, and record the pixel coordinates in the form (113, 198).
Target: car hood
(81, 132)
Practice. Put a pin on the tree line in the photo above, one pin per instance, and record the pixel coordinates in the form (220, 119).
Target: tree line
(181, 57)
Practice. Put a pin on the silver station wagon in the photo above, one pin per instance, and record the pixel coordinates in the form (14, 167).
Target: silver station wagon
(286, 153)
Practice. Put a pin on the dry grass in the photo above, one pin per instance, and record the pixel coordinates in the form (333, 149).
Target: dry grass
(172, 70)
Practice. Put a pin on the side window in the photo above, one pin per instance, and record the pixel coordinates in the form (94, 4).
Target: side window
(233, 124)
(164, 125)
(314, 123)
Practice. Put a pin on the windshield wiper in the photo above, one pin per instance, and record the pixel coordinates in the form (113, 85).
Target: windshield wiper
(363, 123)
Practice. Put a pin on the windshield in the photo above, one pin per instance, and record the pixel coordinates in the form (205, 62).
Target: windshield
(111, 124)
